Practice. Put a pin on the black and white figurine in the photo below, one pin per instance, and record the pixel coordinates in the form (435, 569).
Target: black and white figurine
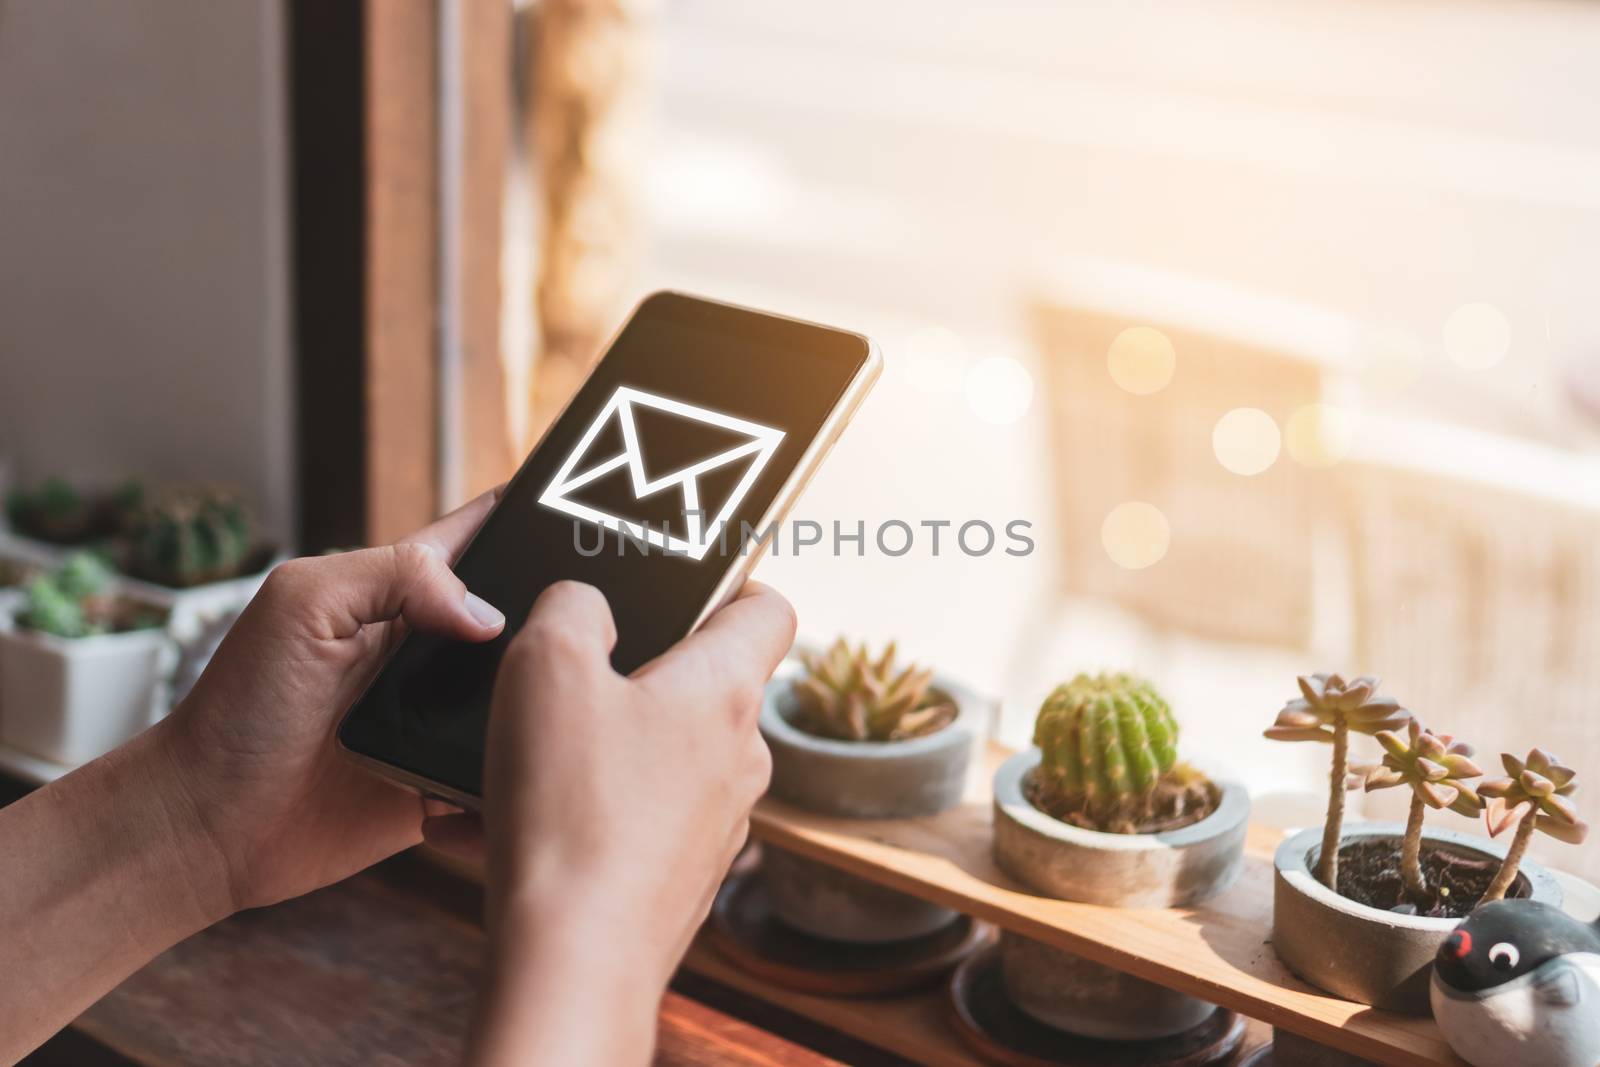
(1518, 983)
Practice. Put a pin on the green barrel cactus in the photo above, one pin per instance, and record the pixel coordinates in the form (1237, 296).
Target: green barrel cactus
(184, 538)
(1109, 758)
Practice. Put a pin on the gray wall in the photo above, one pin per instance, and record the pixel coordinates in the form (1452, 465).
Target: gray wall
(143, 228)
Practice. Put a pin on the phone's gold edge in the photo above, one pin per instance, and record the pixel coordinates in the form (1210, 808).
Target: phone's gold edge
(810, 462)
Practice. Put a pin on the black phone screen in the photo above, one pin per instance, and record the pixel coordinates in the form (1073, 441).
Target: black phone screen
(648, 487)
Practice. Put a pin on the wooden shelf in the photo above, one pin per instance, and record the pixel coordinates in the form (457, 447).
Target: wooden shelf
(1218, 951)
(914, 1025)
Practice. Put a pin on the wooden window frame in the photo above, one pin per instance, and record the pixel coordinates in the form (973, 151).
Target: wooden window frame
(375, 365)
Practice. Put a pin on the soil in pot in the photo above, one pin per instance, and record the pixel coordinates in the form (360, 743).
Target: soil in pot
(1369, 873)
(1176, 802)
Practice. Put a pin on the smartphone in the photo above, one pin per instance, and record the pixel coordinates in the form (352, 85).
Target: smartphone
(692, 437)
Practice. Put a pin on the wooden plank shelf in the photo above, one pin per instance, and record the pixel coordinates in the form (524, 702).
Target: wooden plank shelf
(1219, 950)
(913, 1025)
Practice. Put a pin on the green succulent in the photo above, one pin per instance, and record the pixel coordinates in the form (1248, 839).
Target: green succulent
(849, 695)
(188, 537)
(1108, 748)
(1536, 794)
(1328, 710)
(83, 575)
(1437, 768)
(51, 610)
(77, 600)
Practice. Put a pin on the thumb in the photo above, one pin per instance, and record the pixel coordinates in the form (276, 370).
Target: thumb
(335, 596)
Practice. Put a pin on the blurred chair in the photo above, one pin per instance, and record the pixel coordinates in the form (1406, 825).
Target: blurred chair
(1476, 566)
(1239, 566)
(1236, 606)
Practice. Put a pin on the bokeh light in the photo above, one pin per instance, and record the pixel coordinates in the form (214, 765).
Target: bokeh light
(1136, 535)
(1319, 435)
(1142, 360)
(1246, 441)
(999, 390)
(1477, 336)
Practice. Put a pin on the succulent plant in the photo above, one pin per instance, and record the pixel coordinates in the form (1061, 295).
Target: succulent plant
(1109, 758)
(77, 600)
(52, 511)
(848, 695)
(49, 609)
(1536, 794)
(188, 537)
(1436, 767)
(1327, 710)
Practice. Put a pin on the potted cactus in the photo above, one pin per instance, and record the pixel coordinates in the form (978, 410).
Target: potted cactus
(55, 512)
(1360, 911)
(1101, 810)
(859, 736)
(81, 663)
(197, 550)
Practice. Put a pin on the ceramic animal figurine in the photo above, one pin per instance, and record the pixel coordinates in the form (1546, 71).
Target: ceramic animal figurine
(1518, 982)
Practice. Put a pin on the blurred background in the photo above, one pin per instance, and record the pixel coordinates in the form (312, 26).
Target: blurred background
(1279, 322)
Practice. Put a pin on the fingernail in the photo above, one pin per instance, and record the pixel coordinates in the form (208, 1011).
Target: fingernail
(483, 613)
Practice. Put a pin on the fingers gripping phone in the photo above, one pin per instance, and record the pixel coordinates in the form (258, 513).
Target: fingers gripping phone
(692, 437)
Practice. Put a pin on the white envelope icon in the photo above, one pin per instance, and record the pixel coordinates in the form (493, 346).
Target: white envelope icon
(580, 469)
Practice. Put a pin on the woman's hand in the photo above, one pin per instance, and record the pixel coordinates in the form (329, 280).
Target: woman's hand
(252, 750)
(613, 808)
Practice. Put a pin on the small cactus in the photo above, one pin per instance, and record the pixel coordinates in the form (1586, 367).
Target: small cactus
(185, 538)
(50, 610)
(1328, 709)
(77, 600)
(53, 511)
(1436, 767)
(847, 695)
(1536, 794)
(1109, 758)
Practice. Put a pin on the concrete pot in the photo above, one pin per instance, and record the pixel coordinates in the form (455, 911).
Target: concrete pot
(825, 902)
(1360, 953)
(870, 779)
(1122, 870)
(1085, 998)
(1165, 870)
(861, 780)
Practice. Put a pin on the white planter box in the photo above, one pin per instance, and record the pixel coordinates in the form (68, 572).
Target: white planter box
(190, 608)
(70, 700)
(27, 550)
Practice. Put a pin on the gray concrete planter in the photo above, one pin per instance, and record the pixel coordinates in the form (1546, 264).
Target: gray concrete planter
(1164, 870)
(1360, 953)
(825, 902)
(1085, 998)
(1121, 870)
(871, 779)
(861, 780)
